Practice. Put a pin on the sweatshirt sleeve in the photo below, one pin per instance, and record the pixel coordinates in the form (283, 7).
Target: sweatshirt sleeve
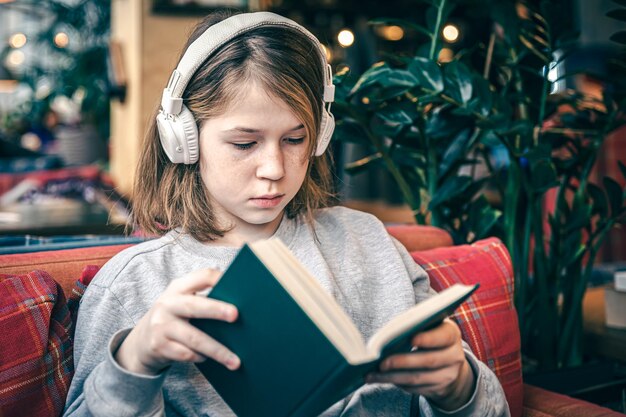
(100, 386)
(488, 398)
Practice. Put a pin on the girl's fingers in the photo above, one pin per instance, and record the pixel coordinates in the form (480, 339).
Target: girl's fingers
(414, 377)
(444, 335)
(194, 306)
(201, 343)
(195, 281)
(175, 351)
(424, 359)
(450, 386)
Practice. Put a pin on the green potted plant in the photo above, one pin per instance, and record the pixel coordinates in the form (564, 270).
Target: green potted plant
(67, 71)
(433, 124)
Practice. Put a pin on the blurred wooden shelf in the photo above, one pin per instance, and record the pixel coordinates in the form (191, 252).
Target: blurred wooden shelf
(386, 213)
(66, 217)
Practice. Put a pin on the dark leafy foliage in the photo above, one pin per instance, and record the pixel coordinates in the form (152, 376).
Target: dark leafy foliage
(436, 125)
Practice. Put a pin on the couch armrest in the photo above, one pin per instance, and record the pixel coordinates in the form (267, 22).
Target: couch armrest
(419, 237)
(65, 266)
(539, 402)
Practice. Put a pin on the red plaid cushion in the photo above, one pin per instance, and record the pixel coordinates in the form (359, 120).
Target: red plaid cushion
(488, 319)
(79, 289)
(36, 355)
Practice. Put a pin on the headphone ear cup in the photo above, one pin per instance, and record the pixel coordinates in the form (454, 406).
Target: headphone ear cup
(190, 135)
(327, 127)
(179, 136)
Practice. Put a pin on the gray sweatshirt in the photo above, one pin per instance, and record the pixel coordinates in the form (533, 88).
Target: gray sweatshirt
(370, 274)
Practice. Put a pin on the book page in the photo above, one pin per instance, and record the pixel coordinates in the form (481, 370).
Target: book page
(443, 302)
(320, 306)
(324, 300)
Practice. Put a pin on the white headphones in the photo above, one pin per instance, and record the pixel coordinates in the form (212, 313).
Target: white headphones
(177, 127)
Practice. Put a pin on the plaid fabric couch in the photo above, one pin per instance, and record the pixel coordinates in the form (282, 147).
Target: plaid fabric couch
(36, 320)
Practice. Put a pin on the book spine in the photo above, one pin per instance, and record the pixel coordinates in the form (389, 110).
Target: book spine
(344, 380)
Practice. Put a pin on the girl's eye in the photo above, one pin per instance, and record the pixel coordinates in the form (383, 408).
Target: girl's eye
(243, 146)
(295, 141)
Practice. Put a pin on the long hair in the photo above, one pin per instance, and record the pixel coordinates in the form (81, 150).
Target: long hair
(285, 63)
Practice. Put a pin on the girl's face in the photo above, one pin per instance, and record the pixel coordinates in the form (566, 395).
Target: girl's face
(253, 160)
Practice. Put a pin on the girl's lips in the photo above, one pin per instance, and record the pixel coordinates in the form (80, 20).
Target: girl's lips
(267, 201)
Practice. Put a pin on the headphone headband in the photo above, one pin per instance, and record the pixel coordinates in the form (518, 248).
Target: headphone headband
(216, 36)
(176, 125)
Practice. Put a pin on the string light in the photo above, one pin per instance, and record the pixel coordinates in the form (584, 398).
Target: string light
(345, 38)
(17, 40)
(446, 55)
(61, 39)
(451, 33)
(15, 58)
(328, 53)
(391, 33)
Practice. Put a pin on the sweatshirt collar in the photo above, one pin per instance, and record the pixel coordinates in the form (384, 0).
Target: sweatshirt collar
(285, 232)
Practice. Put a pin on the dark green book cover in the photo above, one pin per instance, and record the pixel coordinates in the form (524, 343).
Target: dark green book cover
(288, 366)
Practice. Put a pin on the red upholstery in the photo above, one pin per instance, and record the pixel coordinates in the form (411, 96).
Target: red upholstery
(35, 345)
(488, 319)
(541, 403)
(66, 265)
(420, 237)
(36, 342)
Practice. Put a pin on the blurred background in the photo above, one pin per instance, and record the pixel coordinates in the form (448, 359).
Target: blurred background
(485, 118)
(79, 79)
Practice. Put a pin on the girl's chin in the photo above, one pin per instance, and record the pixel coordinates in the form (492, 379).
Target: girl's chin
(265, 219)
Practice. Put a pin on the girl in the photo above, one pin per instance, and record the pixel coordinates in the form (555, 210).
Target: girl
(236, 154)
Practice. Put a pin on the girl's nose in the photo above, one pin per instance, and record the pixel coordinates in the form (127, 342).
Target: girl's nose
(271, 164)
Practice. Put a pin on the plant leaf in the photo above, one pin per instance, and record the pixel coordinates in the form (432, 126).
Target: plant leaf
(617, 14)
(390, 121)
(452, 187)
(543, 175)
(577, 253)
(427, 73)
(600, 204)
(458, 82)
(405, 155)
(373, 75)
(362, 164)
(399, 78)
(350, 131)
(497, 121)
(482, 217)
(455, 151)
(614, 193)
(442, 125)
(395, 116)
(578, 219)
(619, 37)
(483, 97)
(390, 86)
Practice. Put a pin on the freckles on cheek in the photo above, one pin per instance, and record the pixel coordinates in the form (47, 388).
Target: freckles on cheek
(297, 160)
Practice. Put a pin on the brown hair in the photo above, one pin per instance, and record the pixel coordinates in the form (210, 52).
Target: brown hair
(285, 62)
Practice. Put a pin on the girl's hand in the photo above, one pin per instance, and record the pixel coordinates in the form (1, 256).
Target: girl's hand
(164, 335)
(436, 369)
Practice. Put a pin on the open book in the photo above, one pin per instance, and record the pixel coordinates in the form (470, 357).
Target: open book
(300, 352)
